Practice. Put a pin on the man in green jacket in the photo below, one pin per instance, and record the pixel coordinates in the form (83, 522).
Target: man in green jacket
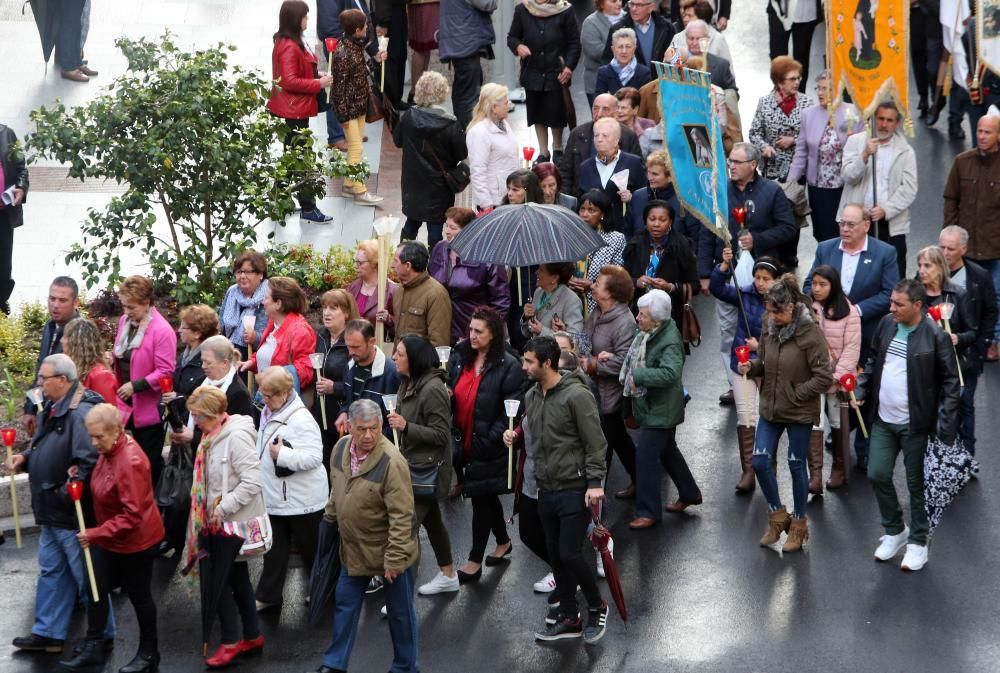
(570, 450)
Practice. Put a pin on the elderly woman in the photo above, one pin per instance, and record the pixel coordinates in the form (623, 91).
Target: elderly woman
(819, 150)
(144, 352)
(550, 181)
(432, 143)
(227, 486)
(794, 365)
(364, 288)
(593, 37)
(651, 380)
(628, 111)
(595, 208)
(554, 306)
(624, 69)
(611, 330)
(295, 487)
(83, 342)
(544, 35)
(423, 422)
(469, 285)
(288, 339)
(797, 21)
(338, 308)
(493, 148)
(245, 300)
(124, 541)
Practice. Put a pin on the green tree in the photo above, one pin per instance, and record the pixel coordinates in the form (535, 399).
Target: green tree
(189, 135)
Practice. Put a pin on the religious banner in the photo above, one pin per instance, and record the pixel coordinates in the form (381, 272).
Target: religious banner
(868, 51)
(693, 142)
(988, 33)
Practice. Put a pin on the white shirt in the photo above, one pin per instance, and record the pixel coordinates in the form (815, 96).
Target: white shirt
(960, 277)
(883, 163)
(804, 11)
(849, 266)
(606, 170)
(266, 352)
(644, 27)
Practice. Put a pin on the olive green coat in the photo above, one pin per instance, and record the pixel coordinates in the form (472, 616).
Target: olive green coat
(663, 404)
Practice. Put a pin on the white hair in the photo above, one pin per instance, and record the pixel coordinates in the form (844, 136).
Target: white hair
(657, 303)
(697, 23)
(623, 34)
(62, 365)
(955, 230)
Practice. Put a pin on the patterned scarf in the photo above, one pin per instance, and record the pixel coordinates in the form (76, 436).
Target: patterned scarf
(625, 72)
(635, 358)
(786, 103)
(241, 305)
(198, 518)
(122, 343)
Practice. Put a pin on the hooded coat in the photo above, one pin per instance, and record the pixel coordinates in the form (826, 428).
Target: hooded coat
(428, 135)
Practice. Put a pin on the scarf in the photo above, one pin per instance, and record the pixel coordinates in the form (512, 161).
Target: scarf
(189, 355)
(543, 9)
(636, 357)
(786, 103)
(223, 383)
(655, 255)
(625, 72)
(198, 519)
(122, 343)
(240, 305)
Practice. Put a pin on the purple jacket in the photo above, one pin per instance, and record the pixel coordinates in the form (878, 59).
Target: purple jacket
(469, 285)
(155, 358)
(812, 126)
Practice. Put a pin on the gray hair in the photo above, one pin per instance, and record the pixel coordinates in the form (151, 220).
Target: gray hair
(431, 89)
(697, 23)
(751, 150)
(955, 230)
(657, 303)
(624, 34)
(364, 410)
(221, 347)
(62, 365)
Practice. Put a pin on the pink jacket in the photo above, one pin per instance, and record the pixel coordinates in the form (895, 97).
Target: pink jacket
(843, 339)
(155, 358)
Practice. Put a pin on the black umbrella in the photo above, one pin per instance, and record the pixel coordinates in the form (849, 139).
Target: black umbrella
(45, 13)
(325, 570)
(526, 234)
(216, 555)
(947, 468)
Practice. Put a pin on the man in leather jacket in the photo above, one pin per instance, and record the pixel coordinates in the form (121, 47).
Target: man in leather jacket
(910, 382)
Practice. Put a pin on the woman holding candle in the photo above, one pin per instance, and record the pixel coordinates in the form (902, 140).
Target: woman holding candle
(83, 343)
(243, 304)
(364, 288)
(555, 306)
(288, 339)
(493, 147)
(932, 271)
(338, 309)
(481, 375)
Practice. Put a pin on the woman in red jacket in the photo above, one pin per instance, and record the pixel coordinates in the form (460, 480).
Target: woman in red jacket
(288, 339)
(83, 343)
(297, 83)
(123, 542)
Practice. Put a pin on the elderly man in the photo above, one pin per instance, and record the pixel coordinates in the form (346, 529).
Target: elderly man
(972, 201)
(371, 499)
(653, 31)
(981, 298)
(881, 174)
(609, 159)
(14, 189)
(580, 144)
(60, 442)
(369, 374)
(421, 305)
(702, 11)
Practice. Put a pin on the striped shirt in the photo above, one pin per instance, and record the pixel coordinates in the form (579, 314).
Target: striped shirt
(893, 395)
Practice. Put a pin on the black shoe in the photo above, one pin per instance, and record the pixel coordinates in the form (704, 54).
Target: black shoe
(726, 399)
(542, 158)
(934, 113)
(922, 107)
(165, 549)
(492, 560)
(466, 578)
(597, 622)
(557, 156)
(2, 538)
(955, 131)
(552, 614)
(862, 464)
(561, 630)
(36, 643)
(91, 657)
(375, 585)
(143, 662)
(109, 646)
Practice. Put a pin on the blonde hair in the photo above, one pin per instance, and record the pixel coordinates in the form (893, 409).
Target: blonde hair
(658, 158)
(275, 380)
(935, 256)
(490, 94)
(207, 401)
(84, 344)
(222, 348)
(370, 248)
(106, 415)
(431, 89)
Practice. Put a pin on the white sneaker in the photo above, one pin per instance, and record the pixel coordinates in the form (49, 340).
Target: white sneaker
(367, 199)
(890, 545)
(546, 585)
(915, 557)
(384, 611)
(441, 584)
(600, 559)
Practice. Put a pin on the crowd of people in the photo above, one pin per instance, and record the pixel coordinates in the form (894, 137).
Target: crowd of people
(285, 419)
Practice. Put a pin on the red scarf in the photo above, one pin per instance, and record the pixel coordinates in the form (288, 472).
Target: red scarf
(787, 104)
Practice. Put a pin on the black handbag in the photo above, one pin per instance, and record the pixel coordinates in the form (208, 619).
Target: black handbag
(425, 481)
(174, 488)
(457, 177)
(322, 99)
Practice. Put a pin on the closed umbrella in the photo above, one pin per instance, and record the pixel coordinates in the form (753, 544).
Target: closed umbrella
(325, 570)
(600, 537)
(947, 468)
(45, 12)
(216, 555)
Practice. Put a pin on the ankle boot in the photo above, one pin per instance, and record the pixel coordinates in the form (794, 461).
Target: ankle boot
(745, 439)
(798, 532)
(90, 657)
(146, 660)
(838, 474)
(778, 522)
(816, 462)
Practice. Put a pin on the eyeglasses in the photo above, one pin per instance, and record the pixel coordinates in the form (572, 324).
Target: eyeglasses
(269, 396)
(43, 377)
(360, 262)
(796, 78)
(849, 224)
(246, 272)
(737, 162)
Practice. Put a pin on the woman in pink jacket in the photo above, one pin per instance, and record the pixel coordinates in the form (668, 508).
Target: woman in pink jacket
(145, 351)
(841, 325)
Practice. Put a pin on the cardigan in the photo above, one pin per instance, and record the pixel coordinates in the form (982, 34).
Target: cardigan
(812, 126)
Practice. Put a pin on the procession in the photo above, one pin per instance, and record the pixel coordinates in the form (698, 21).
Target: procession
(464, 334)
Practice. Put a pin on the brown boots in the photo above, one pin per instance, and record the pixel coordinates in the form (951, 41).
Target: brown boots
(838, 472)
(745, 438)
(778, 522)
(798, 532)
(816, 462)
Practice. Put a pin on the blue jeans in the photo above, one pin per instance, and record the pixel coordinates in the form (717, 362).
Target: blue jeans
(62, 581)
(967, 410)
(69, 27)
(764, 450)
(334, 131)
(993, 266)
(402, 621)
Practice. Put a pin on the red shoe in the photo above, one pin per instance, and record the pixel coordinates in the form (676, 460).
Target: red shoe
(224, 656)
(254, 646)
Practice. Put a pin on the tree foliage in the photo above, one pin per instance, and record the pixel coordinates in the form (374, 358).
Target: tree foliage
(188, 135)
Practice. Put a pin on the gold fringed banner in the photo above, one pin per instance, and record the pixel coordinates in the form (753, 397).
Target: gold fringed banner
(988, 33)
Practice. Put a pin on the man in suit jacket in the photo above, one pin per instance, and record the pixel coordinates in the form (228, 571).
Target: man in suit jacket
(13, 181)
(596, 172)
(580, 144)
(653, 32)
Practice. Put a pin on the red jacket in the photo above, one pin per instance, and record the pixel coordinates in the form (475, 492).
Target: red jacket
(294, 69)
(122, 491)
(296, 342)
(102, 381)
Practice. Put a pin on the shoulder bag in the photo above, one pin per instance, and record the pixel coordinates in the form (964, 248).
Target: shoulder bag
(690, 328)
(457, 177)
(256, 532)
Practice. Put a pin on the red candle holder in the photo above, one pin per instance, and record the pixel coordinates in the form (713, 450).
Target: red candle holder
(75, 490)
(849, 382)
(740, 215)
(9, 435)
(528, 152)
(331, 44)
(166, 384)
(935, 313)
(743, 354)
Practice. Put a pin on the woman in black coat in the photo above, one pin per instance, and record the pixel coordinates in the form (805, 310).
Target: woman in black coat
(660, 258)
(481, 375)
(432, 143)
(545, 36)
(339, 308)
(15, 171)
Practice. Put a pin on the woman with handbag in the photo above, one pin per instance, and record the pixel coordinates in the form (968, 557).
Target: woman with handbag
(290, 452)
(423, 422)
(351, 91)
(294, 97)
(433, 149)
(227, 487)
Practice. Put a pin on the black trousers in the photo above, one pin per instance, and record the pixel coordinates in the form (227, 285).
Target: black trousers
(151, 440)
(134, 573)
(619, 442)
(529, 527)
(237, 604)
(306, 202)
(565, 519)
(823, 203)
(303, 529)
(898, 242)
(918, 53)
(465, 91)
(6, 262)
(801, 34)
(427, 513)
(487, 515)
(395, 67)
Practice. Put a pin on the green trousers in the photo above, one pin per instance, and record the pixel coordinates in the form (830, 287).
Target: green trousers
(887, 440)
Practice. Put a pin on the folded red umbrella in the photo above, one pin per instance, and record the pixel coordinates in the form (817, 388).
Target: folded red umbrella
(600, 536)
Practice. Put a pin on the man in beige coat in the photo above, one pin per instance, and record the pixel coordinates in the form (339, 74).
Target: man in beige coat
(421, 305)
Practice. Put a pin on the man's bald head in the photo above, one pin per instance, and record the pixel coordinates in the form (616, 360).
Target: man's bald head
(988, 134)
(605, 105)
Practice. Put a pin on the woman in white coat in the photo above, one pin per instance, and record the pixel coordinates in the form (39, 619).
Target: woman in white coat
(493, 148)
(290, 450)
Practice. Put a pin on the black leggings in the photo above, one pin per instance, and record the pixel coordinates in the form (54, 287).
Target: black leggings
(304, 529)
(6, 261)
(237, 601)
(487, 515)
(306, 202)
(529, 527)
(134, 573)
(619, 442)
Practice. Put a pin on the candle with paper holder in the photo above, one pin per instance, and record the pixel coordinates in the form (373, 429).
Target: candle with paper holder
(849, 382)
(249, 323)
(37, 397)
(316, 360)
(389, 402)
(444, 354)
(75, 490)
(331, 46)
(527, 152)
(511, 407)
(383, 45)
(945, 310)
(9, 436)
(384, 227)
